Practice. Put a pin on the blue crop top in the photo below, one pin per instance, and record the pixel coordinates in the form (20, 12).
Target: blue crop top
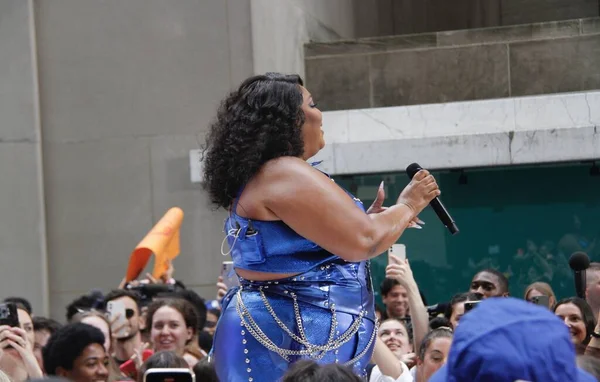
(272, 246)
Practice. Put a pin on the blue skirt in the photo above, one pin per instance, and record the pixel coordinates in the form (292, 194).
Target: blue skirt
(325, 314)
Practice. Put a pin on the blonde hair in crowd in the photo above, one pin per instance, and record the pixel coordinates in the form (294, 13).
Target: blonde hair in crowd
(543, 288)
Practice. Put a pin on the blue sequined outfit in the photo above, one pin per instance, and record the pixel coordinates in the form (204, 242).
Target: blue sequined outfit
(325, 313)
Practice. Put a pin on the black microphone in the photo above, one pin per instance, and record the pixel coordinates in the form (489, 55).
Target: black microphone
(436, 203)
(579, 262)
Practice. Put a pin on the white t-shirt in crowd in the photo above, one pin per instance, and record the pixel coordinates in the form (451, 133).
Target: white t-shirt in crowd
(413, 372)
(406, 375)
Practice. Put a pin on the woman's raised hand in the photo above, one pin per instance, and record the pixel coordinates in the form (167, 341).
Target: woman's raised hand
(421, 190)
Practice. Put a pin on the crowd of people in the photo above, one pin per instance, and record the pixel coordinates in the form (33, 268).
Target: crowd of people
(169, 326)
(163, 324)
(304, 308)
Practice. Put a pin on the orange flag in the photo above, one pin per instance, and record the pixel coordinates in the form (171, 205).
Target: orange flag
(162, 240)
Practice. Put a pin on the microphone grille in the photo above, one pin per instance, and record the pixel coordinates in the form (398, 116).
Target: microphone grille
(412, 169)
(579, 261)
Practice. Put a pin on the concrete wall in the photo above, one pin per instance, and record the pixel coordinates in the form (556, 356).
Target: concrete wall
(127, 89)
(499, 132)
(452, 66)
(22, 223)
(397, 17)
(280, 28)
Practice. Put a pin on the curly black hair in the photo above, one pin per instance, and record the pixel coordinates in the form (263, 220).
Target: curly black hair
(68, 343)
(260, 121)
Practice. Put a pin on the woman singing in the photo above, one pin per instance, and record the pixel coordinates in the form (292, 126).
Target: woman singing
(300, 244)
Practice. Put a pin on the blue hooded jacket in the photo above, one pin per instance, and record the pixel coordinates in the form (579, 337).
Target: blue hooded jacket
(505, 340)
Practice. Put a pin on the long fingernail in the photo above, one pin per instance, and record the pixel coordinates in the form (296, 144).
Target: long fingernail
(420, 221)
(381, 185)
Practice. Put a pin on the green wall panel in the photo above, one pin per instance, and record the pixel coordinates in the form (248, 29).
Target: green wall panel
(523, 221)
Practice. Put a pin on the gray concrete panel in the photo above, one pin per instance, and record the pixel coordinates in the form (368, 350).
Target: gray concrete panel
(99, 206)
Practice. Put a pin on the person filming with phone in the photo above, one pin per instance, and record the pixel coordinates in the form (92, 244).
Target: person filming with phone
(459, 305)
(123, 309)
(540, 293)
(17, 359)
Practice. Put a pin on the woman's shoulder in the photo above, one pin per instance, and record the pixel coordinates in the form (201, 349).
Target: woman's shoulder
(284, 178)
(287, 168)
(285, 162)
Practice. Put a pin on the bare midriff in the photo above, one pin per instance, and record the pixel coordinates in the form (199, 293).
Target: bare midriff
(262, 276)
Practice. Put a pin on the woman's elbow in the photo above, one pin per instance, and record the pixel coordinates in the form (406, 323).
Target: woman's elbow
(363, 247)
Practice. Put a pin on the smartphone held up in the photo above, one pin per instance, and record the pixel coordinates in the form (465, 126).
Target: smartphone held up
(398, 250)
(169, 375)
(9, 315)
(541, 300)
(469, 305)
(116, 312)
(230, 278)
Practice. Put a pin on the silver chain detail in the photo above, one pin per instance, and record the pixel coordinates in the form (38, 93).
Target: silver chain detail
(366, 349)
(316, 352)
(259, 335)
(331, 343)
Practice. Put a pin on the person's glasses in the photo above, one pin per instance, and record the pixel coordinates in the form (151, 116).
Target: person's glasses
(129, 313)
